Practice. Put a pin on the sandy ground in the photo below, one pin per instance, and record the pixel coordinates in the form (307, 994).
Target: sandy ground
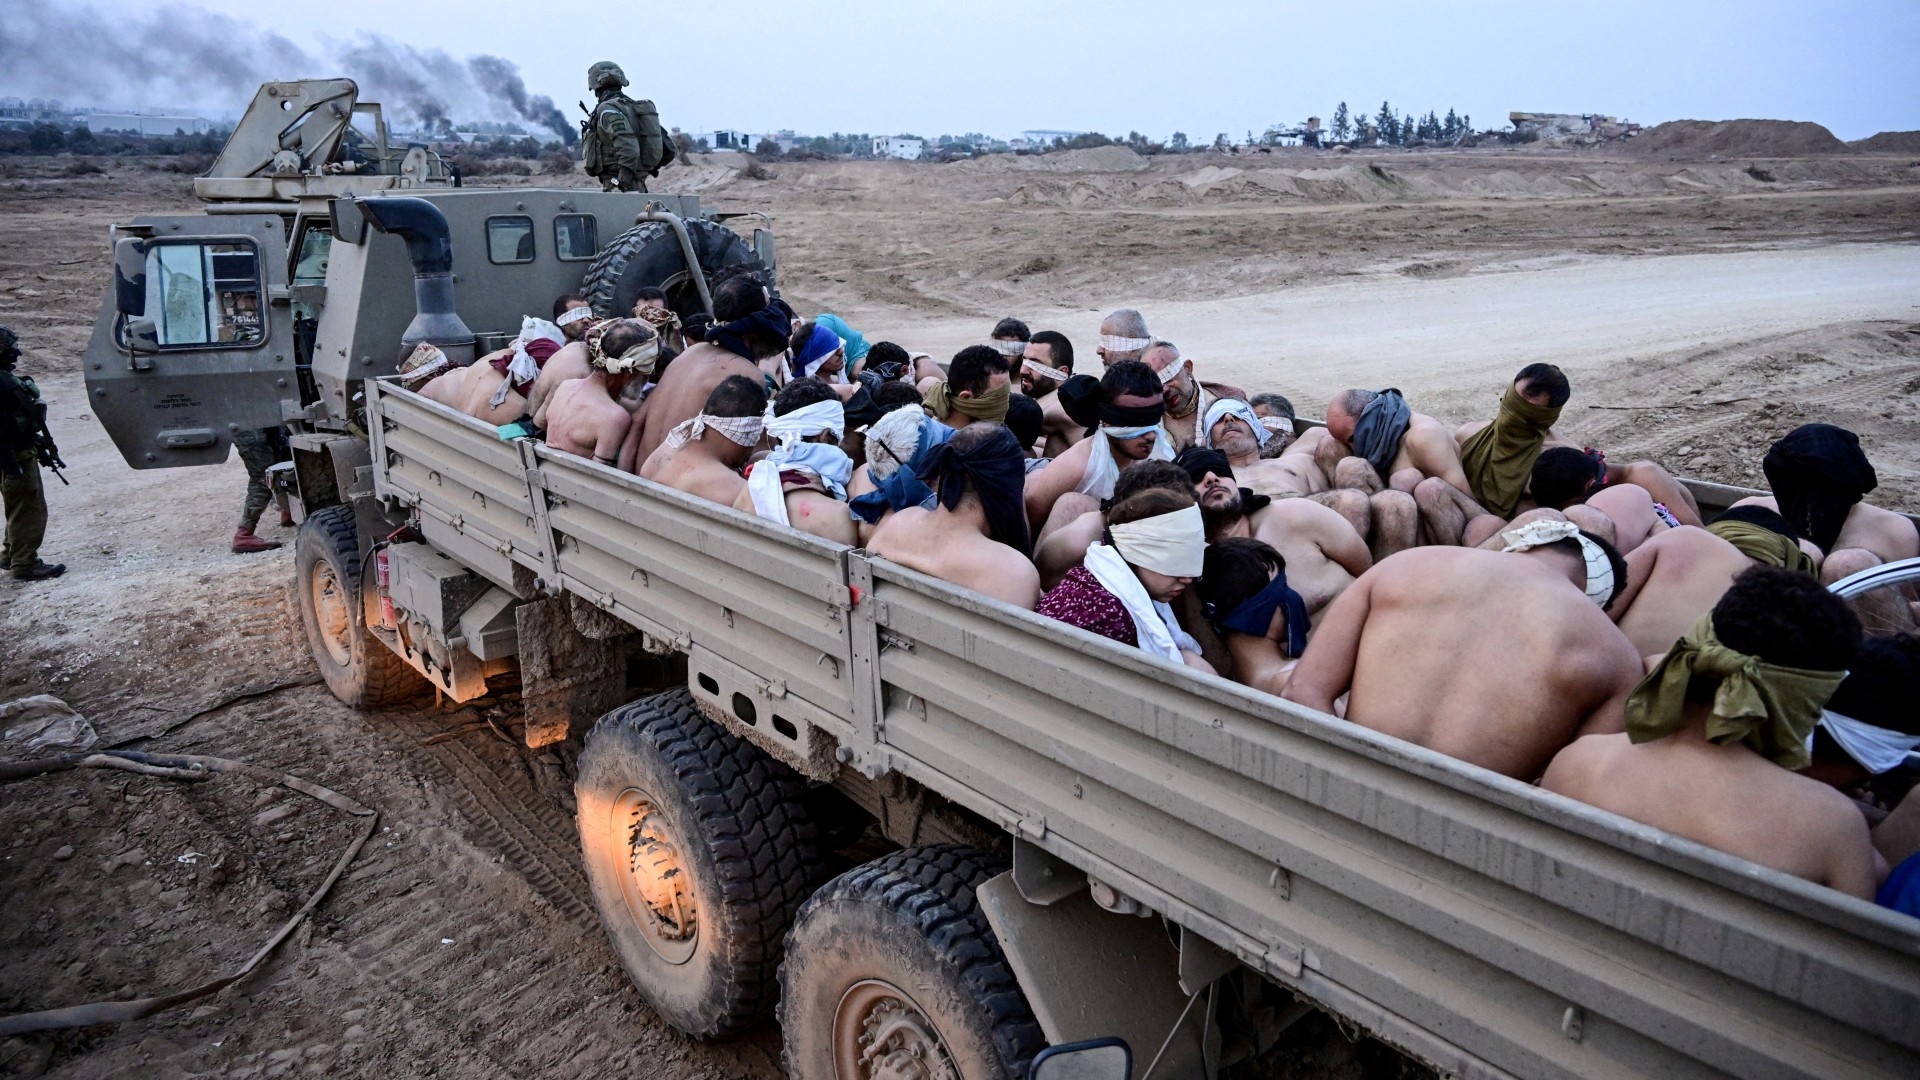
(1700, 309)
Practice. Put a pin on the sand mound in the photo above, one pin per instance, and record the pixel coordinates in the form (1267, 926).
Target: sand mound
(1897, 142)
(1097, 159)
(1736, 138)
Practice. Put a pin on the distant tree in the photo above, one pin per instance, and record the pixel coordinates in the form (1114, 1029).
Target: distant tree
(1466, 125)
(1450, 127)
(45, 139)
(1342, 123)
(1178, 143)
(767, 150)
(81, 141)
(1220, 141)
(1088, 141)
(1384, 121)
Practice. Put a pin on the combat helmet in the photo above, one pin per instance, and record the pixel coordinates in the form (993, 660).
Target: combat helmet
(9, 345)
(603, 73)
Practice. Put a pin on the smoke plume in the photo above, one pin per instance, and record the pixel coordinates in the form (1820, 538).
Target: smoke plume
(175, 55)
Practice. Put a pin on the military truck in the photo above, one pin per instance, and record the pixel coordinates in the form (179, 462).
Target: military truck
(1104, 866)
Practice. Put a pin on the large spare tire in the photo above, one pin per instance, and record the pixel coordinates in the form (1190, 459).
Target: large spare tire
(649, 254)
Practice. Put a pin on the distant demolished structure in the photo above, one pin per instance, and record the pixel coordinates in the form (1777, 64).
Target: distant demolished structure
(1576, 129)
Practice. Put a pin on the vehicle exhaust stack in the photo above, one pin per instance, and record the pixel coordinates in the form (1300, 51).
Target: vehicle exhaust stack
(430, 246)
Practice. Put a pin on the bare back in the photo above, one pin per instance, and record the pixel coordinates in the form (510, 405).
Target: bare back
(694, 470)
(1726, 797)
(1323, 553)
(1496, 659)
(683, 390)
(1672, 579)
(583, 419)
(567, 364)
(941, 545)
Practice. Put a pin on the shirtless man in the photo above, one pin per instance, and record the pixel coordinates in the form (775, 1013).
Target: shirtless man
(1123, 336)
(803, 482)
(1547, 663)
(1187, 400)
(1045, 364)
(1564, 475)
(1738, 794)
(1418, 455)
(1261, 620)
(1322, 555)
(1066, 547)
(1127, 406)
(977, 387)
(584, 416)
(1672, 580)
(1276, 415)
(572, 315)
(1819, 476)
(703, 456)
(976, 535)
(752, 327)
(1389, 520)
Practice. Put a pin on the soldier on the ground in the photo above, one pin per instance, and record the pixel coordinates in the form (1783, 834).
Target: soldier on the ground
(25, 445)
(260, 449)
(622, 140)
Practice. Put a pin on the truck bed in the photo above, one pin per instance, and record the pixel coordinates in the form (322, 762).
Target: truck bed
(1483, 925)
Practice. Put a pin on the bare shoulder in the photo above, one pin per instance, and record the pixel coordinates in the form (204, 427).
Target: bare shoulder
(1891, 534)
(1580, 763)
(1308, 443)
(1304, 514)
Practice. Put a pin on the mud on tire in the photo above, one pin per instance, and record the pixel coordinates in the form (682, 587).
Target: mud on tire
(649, 254)
(699, 851)
(357, 667)
(895, 957)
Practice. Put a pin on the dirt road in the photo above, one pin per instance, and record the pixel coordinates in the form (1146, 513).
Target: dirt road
(460, 944)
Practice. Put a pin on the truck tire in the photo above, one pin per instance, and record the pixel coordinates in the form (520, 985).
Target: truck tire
(649, 254)
(357, 667)
(699, 851)
(893, 964)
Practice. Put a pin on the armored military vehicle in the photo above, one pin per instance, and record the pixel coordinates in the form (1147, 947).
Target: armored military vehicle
(1106, 866)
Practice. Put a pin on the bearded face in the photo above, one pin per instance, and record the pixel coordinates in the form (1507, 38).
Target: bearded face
(1231, 436)
(574, 331)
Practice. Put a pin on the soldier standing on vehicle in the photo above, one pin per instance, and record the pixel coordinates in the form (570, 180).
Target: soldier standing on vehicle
(25, 445)
(621, 139)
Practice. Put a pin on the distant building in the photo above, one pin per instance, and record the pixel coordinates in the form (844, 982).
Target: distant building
(139, 123)
(726, 140)
(893, 146)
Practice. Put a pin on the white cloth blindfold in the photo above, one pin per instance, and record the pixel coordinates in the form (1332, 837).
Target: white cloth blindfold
(1172, 544)
(1007, 348)
(1123, 344)
(1042, 371)
(573, 315)
(1172, 371)
(808, 421)
(1877, 749)
(1540, 533)
(742, 430)
(1238, 409)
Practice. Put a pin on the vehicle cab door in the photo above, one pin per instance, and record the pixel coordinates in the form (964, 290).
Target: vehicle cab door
(194, 340)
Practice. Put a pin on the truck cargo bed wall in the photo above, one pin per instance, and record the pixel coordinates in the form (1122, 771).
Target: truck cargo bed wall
(1405, 890)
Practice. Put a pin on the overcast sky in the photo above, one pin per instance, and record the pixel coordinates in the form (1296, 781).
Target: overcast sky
(1000, 66)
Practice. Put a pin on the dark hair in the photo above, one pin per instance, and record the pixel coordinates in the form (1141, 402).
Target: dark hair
(1787, 618)
(1058, 346)
(1129, 378)
(886, 352)
(695, 325)
(1537, 377)
(738, 297)
(894, 395)
(624, 334)
(1561, 476)
(1149, 503)
(801, 393)
(1881, 684)
(1277, 402)
(1012, 328)
(737, 395)
(1145, 475)
(1025, 418)
(1235, 569)
(560, 305)
(798, 339)
(973, 369)
(1758, 515)
(648, 292)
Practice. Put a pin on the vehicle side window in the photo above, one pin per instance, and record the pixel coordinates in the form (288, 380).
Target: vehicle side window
(576, 237)
(201, 294)
(510, 239)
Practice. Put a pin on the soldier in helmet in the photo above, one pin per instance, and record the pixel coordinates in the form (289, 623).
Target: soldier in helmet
(622, 138)
(25, 446)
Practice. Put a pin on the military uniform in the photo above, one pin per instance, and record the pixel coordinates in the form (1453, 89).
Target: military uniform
(23, 446)
(624, 141)
(260, 449)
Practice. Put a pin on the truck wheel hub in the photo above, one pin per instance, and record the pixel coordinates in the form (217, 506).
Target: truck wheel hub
(658, 889)
(330, 613)
(881, 1034)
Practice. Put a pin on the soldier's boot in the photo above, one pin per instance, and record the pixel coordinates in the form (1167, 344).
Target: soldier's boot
(286, 519)
(245, 543)
(40, 571)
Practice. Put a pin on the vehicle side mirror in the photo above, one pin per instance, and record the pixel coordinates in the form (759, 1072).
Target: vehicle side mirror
(130, 277)
(1094, 1059)
(348, 223)
(142, 336)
